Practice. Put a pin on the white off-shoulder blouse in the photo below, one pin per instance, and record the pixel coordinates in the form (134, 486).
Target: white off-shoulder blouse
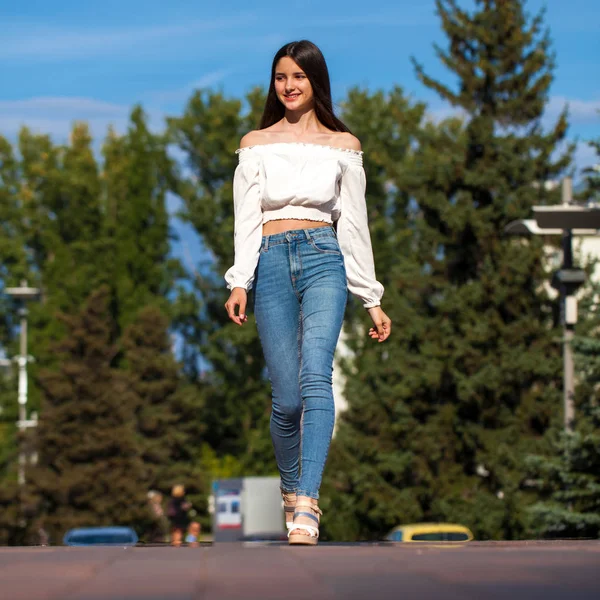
(292, 180)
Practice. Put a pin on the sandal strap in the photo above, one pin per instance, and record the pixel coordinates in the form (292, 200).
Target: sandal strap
(312, 507)
(306, 515)
(313, 531)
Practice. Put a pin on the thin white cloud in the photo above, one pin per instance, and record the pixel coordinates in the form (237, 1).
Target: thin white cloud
(60, 104)
(41, 42)
(182, 93)
(580, 111)
(55, 116)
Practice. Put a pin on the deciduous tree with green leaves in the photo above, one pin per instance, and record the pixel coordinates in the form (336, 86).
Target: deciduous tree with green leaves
(238, 400)
(138, 263)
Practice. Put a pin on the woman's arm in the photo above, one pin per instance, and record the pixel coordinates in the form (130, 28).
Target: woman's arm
(355, 242)
(247, 230)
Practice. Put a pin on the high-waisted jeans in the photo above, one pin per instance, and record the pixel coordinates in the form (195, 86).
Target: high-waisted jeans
(300, 298)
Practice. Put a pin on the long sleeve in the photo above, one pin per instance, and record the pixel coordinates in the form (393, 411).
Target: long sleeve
(354, 237)
(247, 224)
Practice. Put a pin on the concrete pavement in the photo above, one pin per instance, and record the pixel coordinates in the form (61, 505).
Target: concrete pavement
(477, 570)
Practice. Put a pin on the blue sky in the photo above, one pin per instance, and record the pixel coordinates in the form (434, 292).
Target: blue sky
(67, 60)
(62, 61)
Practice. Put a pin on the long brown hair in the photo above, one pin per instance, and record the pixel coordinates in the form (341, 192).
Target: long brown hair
(311, 60)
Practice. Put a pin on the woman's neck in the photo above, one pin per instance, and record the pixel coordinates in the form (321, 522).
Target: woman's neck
(300, 123)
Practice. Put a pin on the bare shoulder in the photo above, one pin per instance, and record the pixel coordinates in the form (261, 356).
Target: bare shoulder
(252, 138)
(347, 140)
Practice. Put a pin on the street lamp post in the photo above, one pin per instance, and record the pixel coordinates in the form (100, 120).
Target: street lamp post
(565, 220)
(22, 295)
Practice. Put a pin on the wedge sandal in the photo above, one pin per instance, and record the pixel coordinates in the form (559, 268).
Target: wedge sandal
(289, 506)
(306, 518)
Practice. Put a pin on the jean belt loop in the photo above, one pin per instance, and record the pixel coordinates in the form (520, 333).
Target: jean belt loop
(266, 246)
(307, 234)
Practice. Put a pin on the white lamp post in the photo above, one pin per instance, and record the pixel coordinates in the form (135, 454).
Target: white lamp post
(564, 219)
(22, 295)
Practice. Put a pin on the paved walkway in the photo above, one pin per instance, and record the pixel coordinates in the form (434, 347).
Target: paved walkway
(478, 570)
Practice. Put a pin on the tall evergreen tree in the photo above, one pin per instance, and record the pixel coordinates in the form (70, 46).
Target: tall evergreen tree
(376, 476)
(238, 404)
(444, 429)
(168, 430)
(90, 471)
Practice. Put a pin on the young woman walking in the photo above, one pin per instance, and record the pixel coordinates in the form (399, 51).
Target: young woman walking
(301, 241)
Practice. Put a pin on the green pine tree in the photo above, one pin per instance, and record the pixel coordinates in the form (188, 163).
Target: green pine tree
(168, 430)
(441, 418)
(90, 470)
(368, 464)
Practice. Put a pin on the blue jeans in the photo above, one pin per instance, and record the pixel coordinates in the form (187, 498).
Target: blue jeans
(300, 298)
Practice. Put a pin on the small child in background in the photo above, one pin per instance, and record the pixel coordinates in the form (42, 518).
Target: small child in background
(193, 534)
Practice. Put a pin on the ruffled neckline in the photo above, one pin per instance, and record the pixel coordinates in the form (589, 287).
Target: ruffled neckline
(305, 144)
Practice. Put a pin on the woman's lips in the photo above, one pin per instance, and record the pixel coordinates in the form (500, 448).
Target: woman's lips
(291, 97)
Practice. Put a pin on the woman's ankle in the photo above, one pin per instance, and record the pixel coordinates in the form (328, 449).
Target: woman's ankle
(307, 500)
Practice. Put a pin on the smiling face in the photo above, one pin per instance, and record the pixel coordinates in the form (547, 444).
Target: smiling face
(292, 86)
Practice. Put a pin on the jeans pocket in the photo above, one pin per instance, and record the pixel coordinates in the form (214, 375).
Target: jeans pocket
(325, 245)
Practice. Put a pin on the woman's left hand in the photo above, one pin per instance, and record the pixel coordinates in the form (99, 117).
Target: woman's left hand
(383, 324)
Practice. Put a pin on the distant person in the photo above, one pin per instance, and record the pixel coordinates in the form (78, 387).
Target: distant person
(177, 513)
(159, 530)
(302, 241)
(42, 537)
(192, 536)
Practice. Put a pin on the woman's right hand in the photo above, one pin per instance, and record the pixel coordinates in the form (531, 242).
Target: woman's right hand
(237, 298)
(382, 324)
